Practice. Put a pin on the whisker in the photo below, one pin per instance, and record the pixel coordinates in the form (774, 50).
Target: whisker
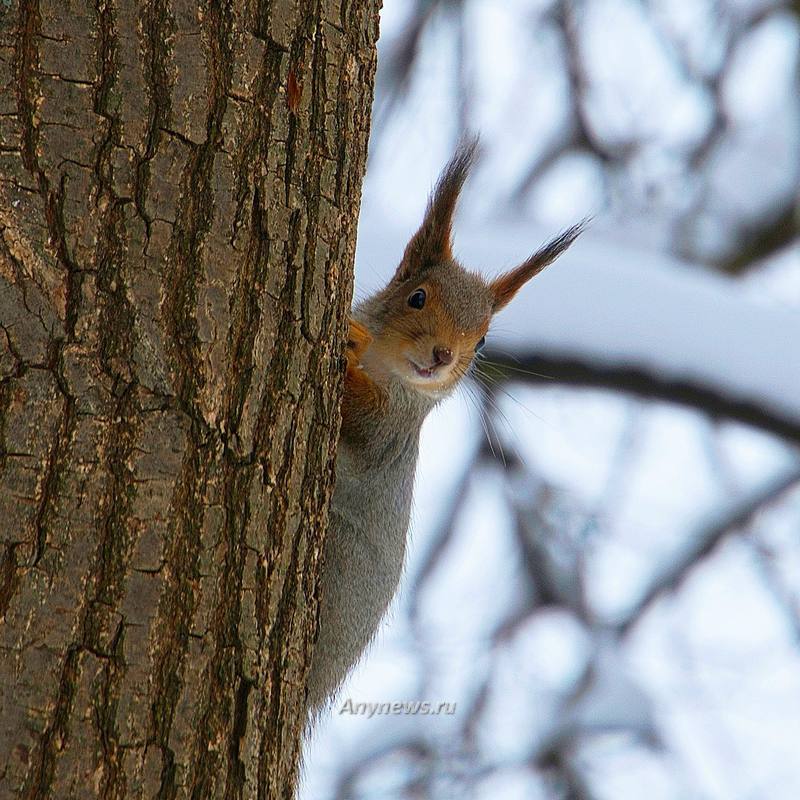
(503, 367)
(481, 416)
(498, 386)
(491, 401)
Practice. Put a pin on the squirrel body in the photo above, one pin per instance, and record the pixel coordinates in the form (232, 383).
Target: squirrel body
(368, 523)
(409, 347)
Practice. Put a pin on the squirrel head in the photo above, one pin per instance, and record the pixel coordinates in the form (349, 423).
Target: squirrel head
(434, 314)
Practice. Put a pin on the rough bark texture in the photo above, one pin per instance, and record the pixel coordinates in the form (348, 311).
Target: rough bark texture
(179, 187)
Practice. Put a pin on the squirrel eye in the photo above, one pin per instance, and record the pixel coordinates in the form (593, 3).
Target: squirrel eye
(417, 299)
(480, 344)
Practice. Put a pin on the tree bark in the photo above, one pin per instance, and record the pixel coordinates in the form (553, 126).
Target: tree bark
(179, 190)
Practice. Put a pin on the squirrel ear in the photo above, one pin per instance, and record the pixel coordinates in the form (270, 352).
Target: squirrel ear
(508, 284)
(431, 243)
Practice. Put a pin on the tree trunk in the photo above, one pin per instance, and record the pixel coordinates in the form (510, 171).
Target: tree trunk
(179, 189)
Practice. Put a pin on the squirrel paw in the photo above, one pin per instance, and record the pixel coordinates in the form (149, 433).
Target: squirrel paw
(362, 396)
(358, 340)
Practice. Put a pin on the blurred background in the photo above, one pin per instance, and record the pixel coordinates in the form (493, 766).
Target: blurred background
(603, 583)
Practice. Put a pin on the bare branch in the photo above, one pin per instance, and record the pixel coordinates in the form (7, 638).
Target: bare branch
(706, 540)
(758, 243)
(554, 369)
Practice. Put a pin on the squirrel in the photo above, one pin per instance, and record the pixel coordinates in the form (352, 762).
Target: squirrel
(409, 346)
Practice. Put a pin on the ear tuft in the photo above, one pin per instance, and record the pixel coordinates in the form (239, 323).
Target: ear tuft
(507, 285)
(431, 244)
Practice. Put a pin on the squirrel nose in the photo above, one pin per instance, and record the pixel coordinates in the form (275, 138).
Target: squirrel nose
(442, 356)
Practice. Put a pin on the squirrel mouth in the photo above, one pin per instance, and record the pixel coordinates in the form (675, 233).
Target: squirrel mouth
(423, 372)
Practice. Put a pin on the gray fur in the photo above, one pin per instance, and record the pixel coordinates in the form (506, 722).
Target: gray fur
(366, 543)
